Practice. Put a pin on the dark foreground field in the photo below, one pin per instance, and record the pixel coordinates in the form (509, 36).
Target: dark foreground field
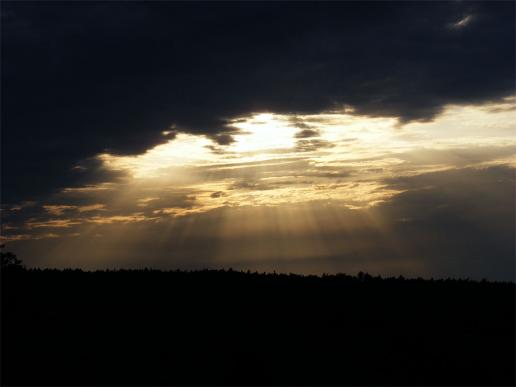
(217, 328)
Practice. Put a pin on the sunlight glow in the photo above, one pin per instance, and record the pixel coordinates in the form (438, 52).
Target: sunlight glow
(277, 162)
(261, 133)
(279, 159)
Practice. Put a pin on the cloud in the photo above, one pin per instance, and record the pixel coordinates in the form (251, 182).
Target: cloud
(196, 66)
(461, 221)
(312, 145)
(339, 191)
(463, 22)
(58, 209)
(217, 194)
(305, 133)
(457, 223)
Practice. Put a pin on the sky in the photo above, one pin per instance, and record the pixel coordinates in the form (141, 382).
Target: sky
(289, 136)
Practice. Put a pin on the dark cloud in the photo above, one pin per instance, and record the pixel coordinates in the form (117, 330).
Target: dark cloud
(307, 133)
(251, 185)
(81, 78)
(92, 170)
(460, 221)
(312, 145)
(217, 194)
(223, 139)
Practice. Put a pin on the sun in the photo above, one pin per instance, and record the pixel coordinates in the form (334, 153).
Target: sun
(262, 133)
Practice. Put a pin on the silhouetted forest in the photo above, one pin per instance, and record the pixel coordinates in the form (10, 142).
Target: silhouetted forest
(151, 327)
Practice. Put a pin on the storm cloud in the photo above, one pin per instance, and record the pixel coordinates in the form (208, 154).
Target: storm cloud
(79, 78)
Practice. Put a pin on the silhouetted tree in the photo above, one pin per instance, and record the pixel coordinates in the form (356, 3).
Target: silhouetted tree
(9, 260)
(299, 325)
